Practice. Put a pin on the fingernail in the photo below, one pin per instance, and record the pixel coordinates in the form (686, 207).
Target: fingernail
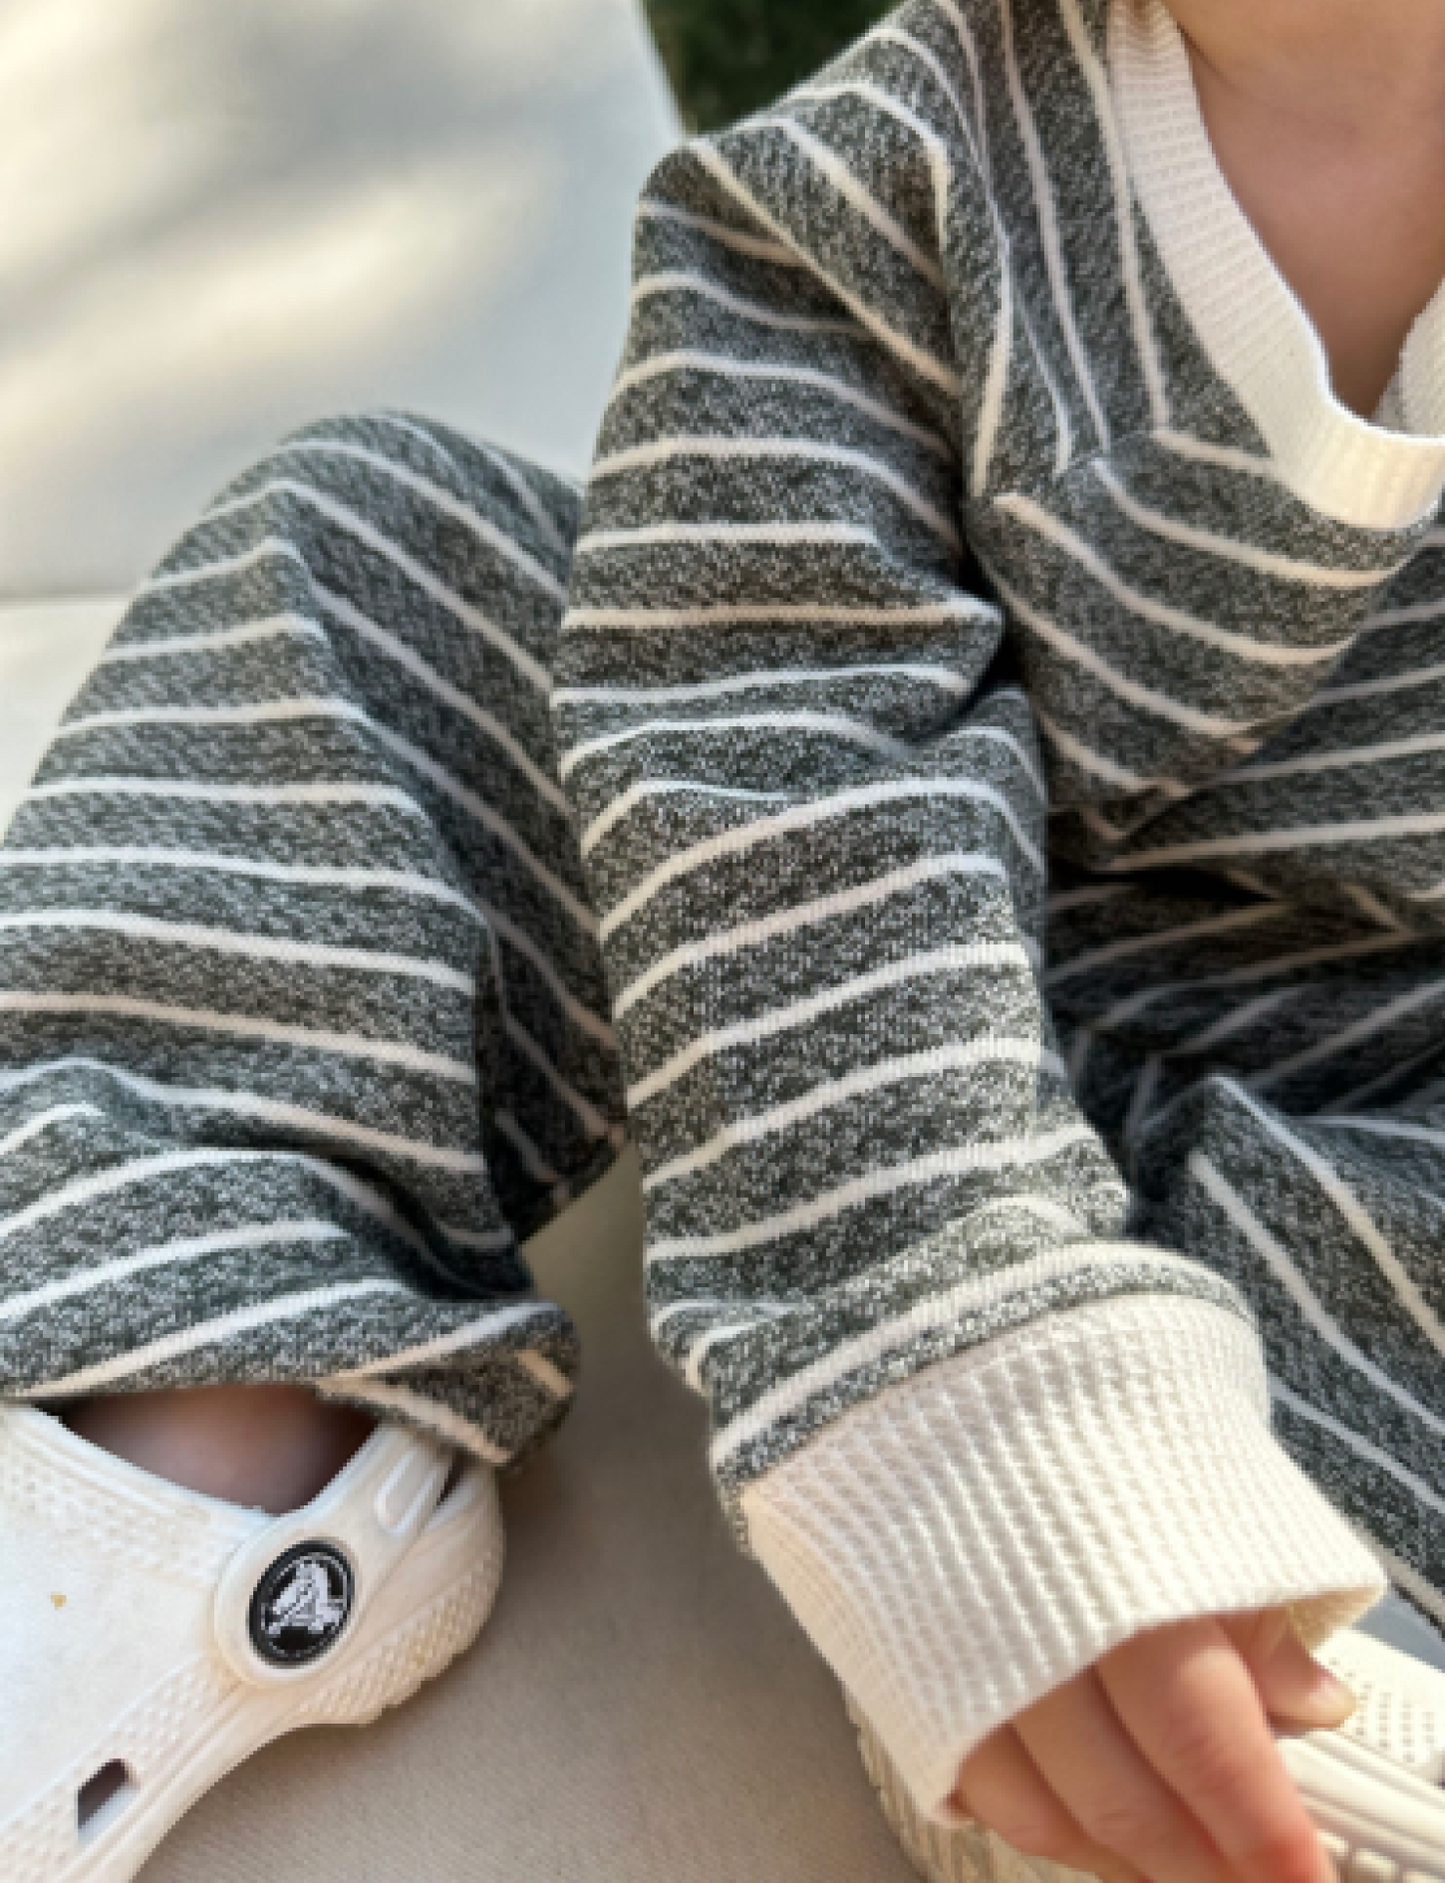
(1331, 1694)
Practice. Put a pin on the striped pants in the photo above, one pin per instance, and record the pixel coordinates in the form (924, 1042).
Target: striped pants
(304, 1018)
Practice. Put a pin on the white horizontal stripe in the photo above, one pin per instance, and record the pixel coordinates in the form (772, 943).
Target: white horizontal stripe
(767, 680)
(493, 1323)
(831, 725)
(41, 1123)
(1409, 1580)
(710, 158)
(487, 816)
(1362, 1226)
(322, 876)
(358, 526)
(526, 495)
(245, 1026)
(1247, 647)
(782, 450)
(587, 1114)
(165, 1255)
(769, 614)
(253, 1105)
(213, 1333)
(853, 192)
(1356, 1442)
(1266, 842)
(251, 713)
(1097, 764)
(420, 1410)
(533, 1161)
(1410, 617)
(1398, 1073)
(709, 1304)
(805, 817)
(943, 1310)
(1370, 903)
(223, 566)
(1369, 689)
(248, 632)
(197, 790)
(1222, 457)
(737, 239)
(1362, 1029)
(682, 281)
(462, 703)
(117, 1177)
(936, 1062)
(956, 958)
(482, 528)
(698, 1352)
(961, 1161)
(1226, 924)
(1048, 226)
(1402, 1128)
(1342, 758)
(649, 788)
(551, 1379)
(1276, 1258)
(1162, 705)
(487, 1241)
(1084, 898)
(577, 1010)
(230, 941)
(1237, 977)
(742, 535)
(756, 934)
(1231, 549)
(690, 360)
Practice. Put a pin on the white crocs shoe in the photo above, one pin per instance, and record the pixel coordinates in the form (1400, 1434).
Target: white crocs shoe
(151, 1639)
(1373, 1786)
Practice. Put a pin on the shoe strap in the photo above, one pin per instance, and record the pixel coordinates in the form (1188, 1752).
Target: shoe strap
(292, 1595)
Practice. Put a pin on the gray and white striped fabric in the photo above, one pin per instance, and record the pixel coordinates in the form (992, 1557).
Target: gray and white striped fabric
(303, 1024)
(928, 569)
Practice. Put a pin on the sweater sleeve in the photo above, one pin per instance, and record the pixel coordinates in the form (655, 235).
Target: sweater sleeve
(976, 1434)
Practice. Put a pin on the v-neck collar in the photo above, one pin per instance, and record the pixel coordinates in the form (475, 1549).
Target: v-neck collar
(1250, 322)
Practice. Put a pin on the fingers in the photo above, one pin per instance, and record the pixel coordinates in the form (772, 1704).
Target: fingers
(1188, 1699)
(1002, 1787)
(1105, 1782)
(1292, 1685)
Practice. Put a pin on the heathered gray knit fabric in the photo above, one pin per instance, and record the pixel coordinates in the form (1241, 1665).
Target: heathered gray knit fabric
(303, 1022)
(925, 542)
(925, 566)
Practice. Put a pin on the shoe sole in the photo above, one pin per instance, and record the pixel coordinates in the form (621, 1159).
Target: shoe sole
(1379, 1823)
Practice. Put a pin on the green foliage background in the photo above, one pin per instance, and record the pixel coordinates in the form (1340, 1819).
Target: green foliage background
(727, 57)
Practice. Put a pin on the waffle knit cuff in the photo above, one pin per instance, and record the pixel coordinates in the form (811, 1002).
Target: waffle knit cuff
(968, 1540)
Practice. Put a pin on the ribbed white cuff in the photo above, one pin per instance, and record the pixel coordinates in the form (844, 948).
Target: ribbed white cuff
(966, 1541)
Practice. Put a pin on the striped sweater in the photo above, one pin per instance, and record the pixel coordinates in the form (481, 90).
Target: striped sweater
(990, 764)
(1003, 705)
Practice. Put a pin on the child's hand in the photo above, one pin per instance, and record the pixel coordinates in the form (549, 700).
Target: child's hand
(1157, 1762)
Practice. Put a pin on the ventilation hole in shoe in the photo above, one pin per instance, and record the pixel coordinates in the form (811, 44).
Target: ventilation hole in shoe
(460, 1461)
(103, 1797)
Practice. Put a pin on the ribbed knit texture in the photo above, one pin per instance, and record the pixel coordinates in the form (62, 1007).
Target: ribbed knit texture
(1007, 777)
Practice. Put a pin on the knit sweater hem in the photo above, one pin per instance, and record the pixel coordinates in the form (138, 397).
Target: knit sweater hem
(970, 1539)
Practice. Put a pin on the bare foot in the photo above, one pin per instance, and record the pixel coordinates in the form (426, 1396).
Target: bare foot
(270, 1448)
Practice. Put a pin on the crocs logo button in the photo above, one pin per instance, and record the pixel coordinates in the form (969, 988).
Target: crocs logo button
(301, 1605)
